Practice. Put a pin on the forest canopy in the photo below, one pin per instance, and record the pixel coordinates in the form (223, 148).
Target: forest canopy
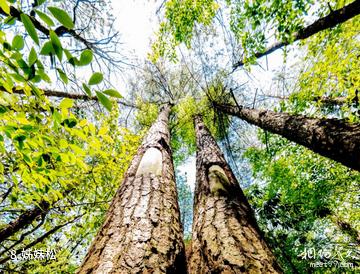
(232, 146)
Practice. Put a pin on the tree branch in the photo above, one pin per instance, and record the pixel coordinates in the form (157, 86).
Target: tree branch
(43, 237)
(331, 20)
(62, 94)
(60, 31)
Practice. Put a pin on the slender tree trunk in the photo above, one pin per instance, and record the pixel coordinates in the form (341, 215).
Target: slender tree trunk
(23, 221)
(332, 138)
(142, 232)
(331, 20)
(226, 238)
(28, 216)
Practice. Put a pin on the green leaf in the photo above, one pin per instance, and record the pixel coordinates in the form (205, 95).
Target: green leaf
(37, 92)
(96, 78)
(32, 57)
(5, 6)
(29, 26)
(20, 137)
(43, 75)
(47, 48)
(10, 20)
(69, 122)
(44, 17)
(63, 76)
(86, 57)
(112, 93)
(40, 2)
(104, 100)
(71, 59)
(87, 89)
(56, 44)
(66, 103)
(62, 17)
(18, 42)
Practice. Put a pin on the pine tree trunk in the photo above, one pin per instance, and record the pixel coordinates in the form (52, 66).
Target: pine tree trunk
(226, 238)
(142, 232)
(332, 138)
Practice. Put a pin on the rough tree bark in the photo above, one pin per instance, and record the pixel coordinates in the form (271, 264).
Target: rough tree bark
(142, 232)
(226, 238)
(331, 20)
(332, 138)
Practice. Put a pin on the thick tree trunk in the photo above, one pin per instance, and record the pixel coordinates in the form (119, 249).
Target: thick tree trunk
(331, 20)
(142, 232)
(226, 238)
(332, 138)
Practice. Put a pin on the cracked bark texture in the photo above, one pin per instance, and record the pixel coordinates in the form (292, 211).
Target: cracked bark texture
(142, 232)
(226, 238)
(336, 139)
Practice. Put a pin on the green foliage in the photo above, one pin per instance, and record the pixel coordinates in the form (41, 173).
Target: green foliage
(49, 152)
(183, 132)
(249, 21)
(5, 6)
(146, 114)
(301, 203)
(86, 57)
(62, 17)
(96, 78)
(112, 93)
(181, 17)
(44, 17)
(248, 18)
(30, 28)
(18, 42)
(46, 152)
(332, 70)
(12, 56)
(104, 100)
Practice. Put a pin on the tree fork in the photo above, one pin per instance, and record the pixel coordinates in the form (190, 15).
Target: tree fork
(142, 232)
(226, 237)
(332, 138)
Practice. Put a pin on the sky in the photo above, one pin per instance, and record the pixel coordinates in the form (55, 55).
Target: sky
(136, 20)
(137, 23)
